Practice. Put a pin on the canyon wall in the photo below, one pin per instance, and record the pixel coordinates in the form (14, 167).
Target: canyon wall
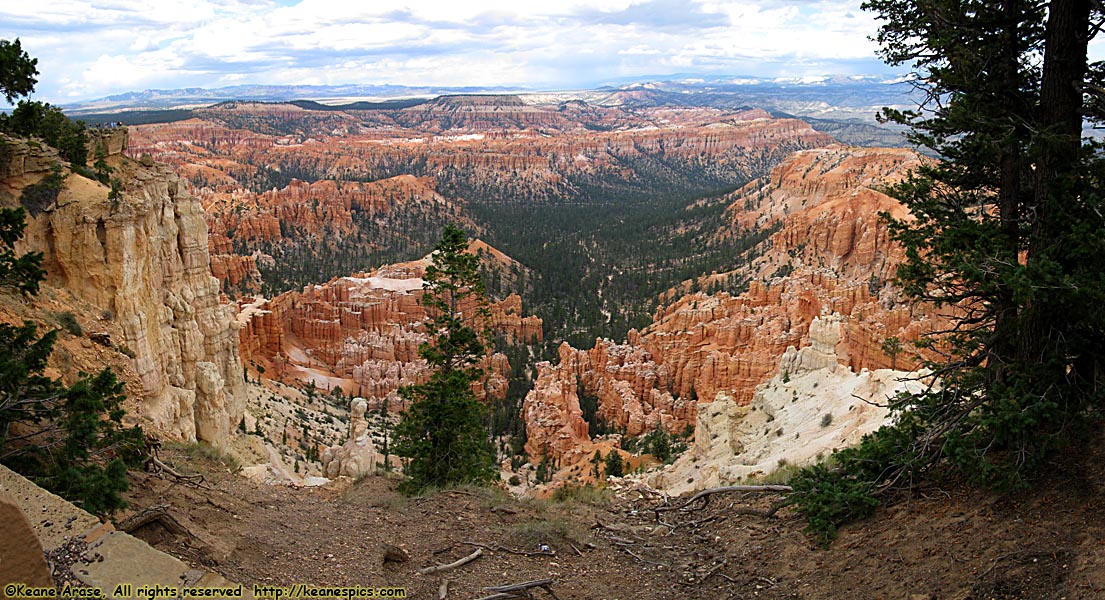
(830, 257)
(142, 259)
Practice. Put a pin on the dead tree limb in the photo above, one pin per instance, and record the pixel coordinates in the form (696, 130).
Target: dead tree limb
(443, 590)
(643, 559)
(499, 547)
(519, 590)
(155, 466)
(728, 488)
(714, 570)
(452, 565)
(762, 513)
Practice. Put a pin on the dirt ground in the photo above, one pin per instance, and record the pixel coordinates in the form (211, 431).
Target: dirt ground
(946, 544)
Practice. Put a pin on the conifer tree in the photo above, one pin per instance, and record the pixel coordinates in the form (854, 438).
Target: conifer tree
(57, 435)
(1006, 232)
(441, 435)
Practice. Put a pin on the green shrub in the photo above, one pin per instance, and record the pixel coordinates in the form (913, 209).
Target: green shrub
(828, 498)
(68, 322)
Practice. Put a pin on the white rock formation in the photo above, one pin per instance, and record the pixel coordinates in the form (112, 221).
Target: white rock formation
(812, 407)
(357, 457)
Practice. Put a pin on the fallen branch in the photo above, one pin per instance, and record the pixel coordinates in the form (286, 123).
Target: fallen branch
(159, 467)
(452, 565)
(443, 590)
(500, 547)
(691, 524)
(519, 590)
(644, 560)
(762, 513)
(714, 570)
(728, 488)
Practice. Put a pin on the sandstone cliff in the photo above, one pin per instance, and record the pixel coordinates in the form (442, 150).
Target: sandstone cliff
(142, 260)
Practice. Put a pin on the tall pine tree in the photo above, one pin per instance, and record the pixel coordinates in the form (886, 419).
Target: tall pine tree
(441, 435)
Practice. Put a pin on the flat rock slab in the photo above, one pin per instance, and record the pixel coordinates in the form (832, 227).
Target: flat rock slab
(53, 519)
(129, 560)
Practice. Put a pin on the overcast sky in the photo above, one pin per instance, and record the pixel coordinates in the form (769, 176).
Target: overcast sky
(92, 49)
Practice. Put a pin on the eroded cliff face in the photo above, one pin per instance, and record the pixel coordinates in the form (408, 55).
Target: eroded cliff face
(362, 333)
(494, 148)
(142, 260)
(829, 257)
(812, 406)
(349, 216)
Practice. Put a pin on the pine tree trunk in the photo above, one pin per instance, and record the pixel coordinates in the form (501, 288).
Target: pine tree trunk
(1057, 148)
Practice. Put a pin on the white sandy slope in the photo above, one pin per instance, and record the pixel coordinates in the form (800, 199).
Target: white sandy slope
(793, 419)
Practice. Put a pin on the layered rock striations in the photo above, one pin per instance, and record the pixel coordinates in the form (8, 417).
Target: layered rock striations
(501, 149)
(362, 333)
(142, 258)
(333, 214)
(830, 256)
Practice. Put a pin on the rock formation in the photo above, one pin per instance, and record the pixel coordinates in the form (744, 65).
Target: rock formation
(142, 259)
(277, 177)
(830, 255)
(810, 408)
(357, 457)
(363, 332)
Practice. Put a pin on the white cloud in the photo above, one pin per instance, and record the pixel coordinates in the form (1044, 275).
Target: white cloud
(94, 49)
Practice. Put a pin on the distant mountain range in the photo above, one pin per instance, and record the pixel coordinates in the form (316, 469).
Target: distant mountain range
(792, 95)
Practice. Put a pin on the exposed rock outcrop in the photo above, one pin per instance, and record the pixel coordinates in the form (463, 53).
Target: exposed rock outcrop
(830, 256)
(362, 333)
(805, 412)
(357, 457)
(142, 258)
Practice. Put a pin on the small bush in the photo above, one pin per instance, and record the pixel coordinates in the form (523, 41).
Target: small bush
(586, 494)
(126, 351)
(554, 532)
(68, 322)
(826, 419)
(514, 480)
(204, 457)
(827, 498)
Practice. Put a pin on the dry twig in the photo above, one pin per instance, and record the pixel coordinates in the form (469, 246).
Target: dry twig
(452, 565)
(519, 590)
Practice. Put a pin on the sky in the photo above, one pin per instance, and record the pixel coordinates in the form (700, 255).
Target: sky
(89, 50)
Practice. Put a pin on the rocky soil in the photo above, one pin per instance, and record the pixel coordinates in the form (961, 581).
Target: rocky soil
(939, 543)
